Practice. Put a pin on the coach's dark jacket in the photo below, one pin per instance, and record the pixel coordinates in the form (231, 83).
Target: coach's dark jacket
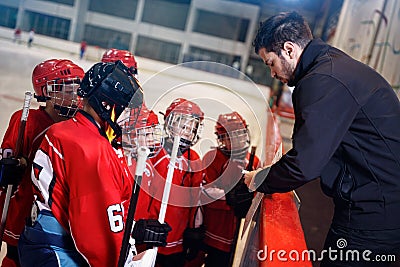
(347, 131)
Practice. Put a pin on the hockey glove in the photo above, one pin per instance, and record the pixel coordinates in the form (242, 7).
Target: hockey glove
(239, 198)
(11, 171)
(151, 232)
(192, 241)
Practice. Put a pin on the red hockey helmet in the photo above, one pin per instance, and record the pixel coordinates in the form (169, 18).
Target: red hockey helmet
(146, 118)
(184, 118)
(183, 106)
(58, 80)
(232, 134)
(112, 55)
(142, 130)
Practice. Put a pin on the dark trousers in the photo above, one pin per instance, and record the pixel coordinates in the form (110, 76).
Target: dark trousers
(216, 258)
(46, 244)
(172, 260)
(11, 258)
(357, 248)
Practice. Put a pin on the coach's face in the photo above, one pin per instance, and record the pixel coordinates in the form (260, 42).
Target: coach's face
(282, 66)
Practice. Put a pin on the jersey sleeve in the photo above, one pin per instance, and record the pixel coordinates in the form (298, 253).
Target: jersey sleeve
(325, 110)
(213, 168)
(10, 136)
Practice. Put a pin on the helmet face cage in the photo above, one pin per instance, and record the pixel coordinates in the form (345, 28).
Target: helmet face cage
(150, 137)
(63, 94)
(141, 128)
(233, 136)
(235, 143)
(187, 127)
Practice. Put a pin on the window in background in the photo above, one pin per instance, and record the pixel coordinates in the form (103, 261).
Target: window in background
(65, 2)
(106, 38)
(170, 14)
(46, 25)
(8, 16)
(201, 54)
(220, 25)
(197, 53)
(121, 8)
(157, 49)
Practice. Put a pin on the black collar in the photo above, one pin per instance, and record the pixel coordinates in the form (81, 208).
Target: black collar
(311, 52)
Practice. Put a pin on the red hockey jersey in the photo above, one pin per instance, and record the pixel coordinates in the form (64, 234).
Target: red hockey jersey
(219, 218)
(184, 195)
(86, 184)
(144, 199)
(22, 200)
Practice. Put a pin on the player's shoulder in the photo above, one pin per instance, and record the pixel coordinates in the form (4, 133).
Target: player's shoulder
(211, 153)
(17, 114)
(61, 129)
(39, 115)
(193, 154)
(161, 154)
(32, 115)
(160, 158)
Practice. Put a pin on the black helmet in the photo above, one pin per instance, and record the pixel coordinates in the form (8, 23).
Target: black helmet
(110, 88)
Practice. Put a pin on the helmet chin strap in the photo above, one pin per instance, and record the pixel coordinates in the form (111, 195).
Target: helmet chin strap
(41, 98)
(67, 112)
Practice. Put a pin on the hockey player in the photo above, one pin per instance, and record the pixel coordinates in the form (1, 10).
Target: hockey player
(142, 130)
(223, 167)
(83, 183)
(112, 55)
(55, 82)
(182, 118)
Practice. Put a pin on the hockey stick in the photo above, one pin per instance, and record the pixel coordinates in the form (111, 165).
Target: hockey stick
(249, 167)
(18, 150)
(143, 152)
(168, 181)
(150, 255)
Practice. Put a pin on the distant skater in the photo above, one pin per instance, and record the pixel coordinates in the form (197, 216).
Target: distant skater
(83, 49)
(17, 35)
(31, 36)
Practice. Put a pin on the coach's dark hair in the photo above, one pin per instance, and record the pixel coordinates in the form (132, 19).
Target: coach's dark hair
(278, 29)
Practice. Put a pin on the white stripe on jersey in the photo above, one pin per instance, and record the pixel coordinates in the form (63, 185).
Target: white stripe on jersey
(55, 149)
(174, 244)
(45, 176)
(219, 238)
(11, 234)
